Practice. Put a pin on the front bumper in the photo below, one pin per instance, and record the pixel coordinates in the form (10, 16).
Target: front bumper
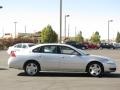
(112, 69)
(109, 67)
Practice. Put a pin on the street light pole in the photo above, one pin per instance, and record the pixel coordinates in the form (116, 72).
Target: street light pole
(68, 30)
(25, 28)
(15, 28)
(75, 33)
(65, 23)
(3, 29)
(60, 21)
(3, 32)
(109, 30)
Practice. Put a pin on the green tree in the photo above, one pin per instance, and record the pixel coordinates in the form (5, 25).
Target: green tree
(95, 38)
(118, 37)
(79, 37)
(48, 35)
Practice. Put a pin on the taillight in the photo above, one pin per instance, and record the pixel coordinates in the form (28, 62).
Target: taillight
(12, 54)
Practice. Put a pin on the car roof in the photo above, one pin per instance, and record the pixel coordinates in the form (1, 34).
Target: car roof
(61, 44)
(24, 43)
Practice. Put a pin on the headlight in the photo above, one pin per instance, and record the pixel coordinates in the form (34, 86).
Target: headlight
(104, 60)
(110, 62)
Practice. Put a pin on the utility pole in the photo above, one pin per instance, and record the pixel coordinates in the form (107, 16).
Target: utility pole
(60, 21)
(65, 24)
(75, 33)
(68, 30)
(3, 29)
(3, 32)
(15, 28)
(25, 28)
(109, 30)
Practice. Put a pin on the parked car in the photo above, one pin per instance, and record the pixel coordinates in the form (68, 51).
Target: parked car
(107, 46)
(116, 45)
(19, 47)
(60, 57)
(77, 45)
(92, 46)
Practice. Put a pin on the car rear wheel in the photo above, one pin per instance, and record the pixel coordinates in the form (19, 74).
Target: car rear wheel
(95, 69)
(31, 68)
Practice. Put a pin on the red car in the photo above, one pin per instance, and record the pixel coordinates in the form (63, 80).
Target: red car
(92, 46)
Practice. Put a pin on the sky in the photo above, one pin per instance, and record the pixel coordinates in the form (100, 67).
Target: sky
(87, 16)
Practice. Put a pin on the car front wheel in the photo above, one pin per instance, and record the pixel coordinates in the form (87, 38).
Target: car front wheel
(31, 68)
(95, 69)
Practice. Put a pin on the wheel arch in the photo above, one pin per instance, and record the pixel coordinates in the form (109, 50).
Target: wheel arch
(35, 61)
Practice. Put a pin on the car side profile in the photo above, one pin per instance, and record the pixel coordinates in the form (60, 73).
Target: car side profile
(19, 47)
(60, 58)
(107, 46)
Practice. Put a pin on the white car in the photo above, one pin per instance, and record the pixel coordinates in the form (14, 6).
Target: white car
(19, 47)
(60, 58)
(116, 45)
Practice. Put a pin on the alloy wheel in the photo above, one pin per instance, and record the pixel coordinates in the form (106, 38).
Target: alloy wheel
(31, 69)
(95, 70)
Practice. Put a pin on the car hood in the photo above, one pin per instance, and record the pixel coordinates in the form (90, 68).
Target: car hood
(98, 58)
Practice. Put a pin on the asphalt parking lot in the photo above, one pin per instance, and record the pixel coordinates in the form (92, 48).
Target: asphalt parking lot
(11, 79)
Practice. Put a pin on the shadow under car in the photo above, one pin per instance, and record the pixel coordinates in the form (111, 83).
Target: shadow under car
(57, 74)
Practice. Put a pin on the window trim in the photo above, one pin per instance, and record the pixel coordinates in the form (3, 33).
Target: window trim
(42, 47)
(58, 50)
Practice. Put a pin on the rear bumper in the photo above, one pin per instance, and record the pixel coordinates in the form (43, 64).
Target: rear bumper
(13, 63)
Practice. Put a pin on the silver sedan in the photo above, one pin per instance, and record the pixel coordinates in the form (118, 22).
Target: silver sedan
(60, 58)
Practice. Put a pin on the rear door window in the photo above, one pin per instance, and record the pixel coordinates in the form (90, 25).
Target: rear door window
(49, 49)
(46, 49)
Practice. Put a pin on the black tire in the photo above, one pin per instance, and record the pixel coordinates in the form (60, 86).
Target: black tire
(31, 68)
(95, 69)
